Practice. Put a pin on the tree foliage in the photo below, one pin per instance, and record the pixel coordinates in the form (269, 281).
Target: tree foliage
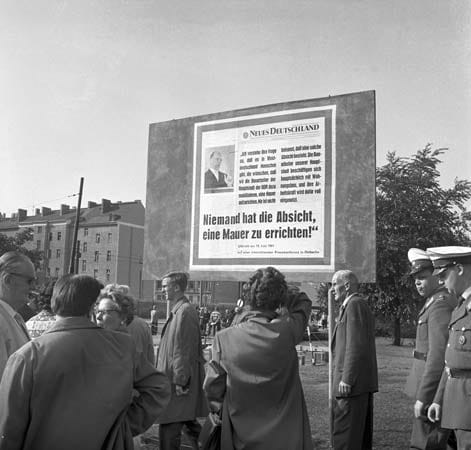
(17, 243)
(413, 210)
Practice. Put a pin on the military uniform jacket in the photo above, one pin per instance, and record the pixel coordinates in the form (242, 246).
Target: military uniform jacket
(180, 357)
(454, 394)
(431, 340)
(353, 348)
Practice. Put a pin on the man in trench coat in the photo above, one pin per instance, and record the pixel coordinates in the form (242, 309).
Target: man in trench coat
(180, 357)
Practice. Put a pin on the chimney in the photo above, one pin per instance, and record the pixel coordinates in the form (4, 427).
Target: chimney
(65, 209)
(105, 205)
(45, 211)
(37, 211)
(22, 215)
(92, 204)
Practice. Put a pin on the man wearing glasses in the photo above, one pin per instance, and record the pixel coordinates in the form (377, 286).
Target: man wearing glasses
(17, 277)
(451, 404)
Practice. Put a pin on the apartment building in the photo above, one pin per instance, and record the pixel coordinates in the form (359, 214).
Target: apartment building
(110, 240)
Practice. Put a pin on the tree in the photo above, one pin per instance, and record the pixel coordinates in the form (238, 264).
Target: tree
(413, 210)
(16, 243)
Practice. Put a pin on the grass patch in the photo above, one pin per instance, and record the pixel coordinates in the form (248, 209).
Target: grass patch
(393, 410)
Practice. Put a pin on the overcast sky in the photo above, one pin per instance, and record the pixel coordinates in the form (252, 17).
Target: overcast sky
(80, 81)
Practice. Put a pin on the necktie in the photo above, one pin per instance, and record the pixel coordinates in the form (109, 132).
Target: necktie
(22, 325)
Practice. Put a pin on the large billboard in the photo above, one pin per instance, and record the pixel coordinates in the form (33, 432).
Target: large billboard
(289, 185)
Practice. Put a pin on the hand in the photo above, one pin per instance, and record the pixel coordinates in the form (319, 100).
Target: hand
(434, 412)
(228, 179)
(419, 409)
(344, 388)
(180, 390)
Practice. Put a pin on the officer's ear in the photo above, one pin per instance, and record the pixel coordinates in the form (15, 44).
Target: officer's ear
(347, 286)
(460, 269)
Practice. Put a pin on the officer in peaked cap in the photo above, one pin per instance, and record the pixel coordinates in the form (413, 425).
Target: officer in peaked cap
(430, 344)
(452, 404)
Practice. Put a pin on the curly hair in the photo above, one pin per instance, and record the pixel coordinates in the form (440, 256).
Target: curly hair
(125, 304)
(266, 289)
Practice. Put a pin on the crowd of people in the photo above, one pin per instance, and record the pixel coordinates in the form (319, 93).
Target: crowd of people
(82, 373)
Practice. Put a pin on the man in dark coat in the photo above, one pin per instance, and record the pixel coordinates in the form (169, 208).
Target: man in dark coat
(180, 356)
(74, 386)
(429, 353)
(355, 373)
(451, 404)
(263, 403)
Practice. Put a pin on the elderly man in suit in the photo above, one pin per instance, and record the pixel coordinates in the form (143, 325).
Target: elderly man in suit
(78, 386)
(451, 404)
(180, 357)
(17, 277)
(355, 373)
(429, 353)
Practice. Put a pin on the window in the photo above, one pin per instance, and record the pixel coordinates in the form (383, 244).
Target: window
(108, 255)
(97, 238)
(95, 273)
(38, 244)
(108, 274)
(59, 235)
(58, 253)
(84, 247)
(84, 265)
(191, 285)
(85, 231)
(110, 235)
(50, 236)
(48, 271)
(49, 253)
(158, 284)
(40, 229)
(96, 256)
(57, 272)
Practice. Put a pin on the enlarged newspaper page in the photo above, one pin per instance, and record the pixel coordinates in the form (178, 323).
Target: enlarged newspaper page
(263, 191)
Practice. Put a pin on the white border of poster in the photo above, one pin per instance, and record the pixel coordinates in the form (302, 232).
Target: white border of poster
(264, 192)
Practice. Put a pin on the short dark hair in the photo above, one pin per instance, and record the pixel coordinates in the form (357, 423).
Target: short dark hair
(74, 295)
(45, 294)
(266, 289)
(125, 304)
(178, 278)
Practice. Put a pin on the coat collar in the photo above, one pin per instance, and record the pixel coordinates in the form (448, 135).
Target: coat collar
(432, 298)
(72, 323)
(179, 304)
(253, 314)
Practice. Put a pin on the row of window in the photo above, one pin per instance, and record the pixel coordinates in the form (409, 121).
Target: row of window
(95, 271)
(85, 233)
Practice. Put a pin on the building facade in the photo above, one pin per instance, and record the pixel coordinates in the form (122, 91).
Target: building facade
(110, 240)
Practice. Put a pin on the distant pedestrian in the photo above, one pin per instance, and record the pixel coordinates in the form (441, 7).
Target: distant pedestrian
(429, 353)
(17, 278)
(355, 373)
(180, 357)
(451, 406)
(154, 320)
(72, 387)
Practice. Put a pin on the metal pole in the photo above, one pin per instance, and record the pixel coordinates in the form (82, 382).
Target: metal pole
(72, 268)
(330, 324)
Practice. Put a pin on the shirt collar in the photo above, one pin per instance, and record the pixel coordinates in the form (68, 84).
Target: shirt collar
(344, 304)
(466, 293)
(215, 172)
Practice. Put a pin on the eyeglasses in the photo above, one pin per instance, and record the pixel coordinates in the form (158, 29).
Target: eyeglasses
(30, 280)
(105, 311)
